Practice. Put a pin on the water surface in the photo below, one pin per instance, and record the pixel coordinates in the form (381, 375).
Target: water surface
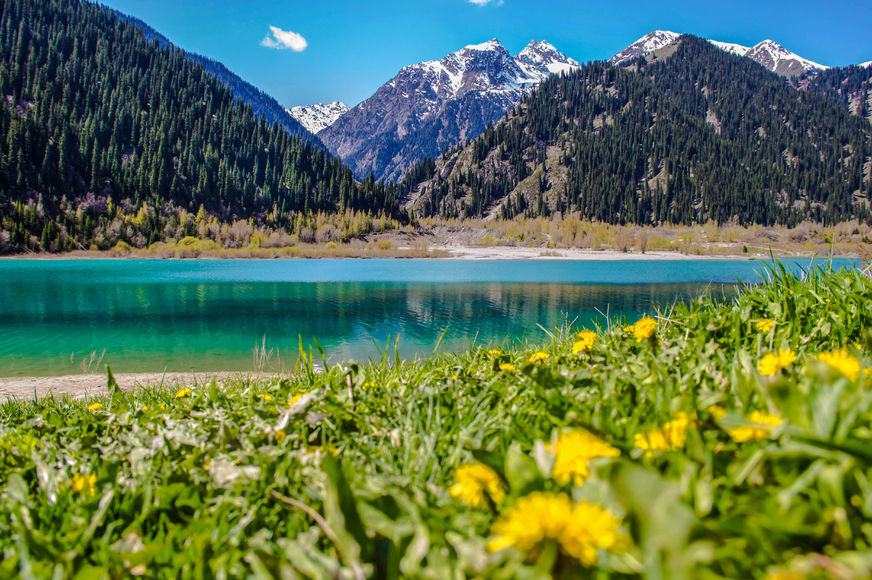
(180, 315)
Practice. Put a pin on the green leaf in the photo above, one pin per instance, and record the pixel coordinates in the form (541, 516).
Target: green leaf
(521, 470)
(340, 510)
(111, 385)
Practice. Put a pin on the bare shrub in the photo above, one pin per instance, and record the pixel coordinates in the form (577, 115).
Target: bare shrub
(327, 233)
(306, 235)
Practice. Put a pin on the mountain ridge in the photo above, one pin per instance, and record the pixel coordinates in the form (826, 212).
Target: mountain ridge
(432, 105)
(767, 53)
(695, 135)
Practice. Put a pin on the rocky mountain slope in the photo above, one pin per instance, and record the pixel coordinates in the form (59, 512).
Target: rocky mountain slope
(694, 135)
(767, 53)
(431, 106)
(316, 118)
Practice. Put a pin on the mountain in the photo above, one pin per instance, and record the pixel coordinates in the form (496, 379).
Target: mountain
(316, 118)
(694, 135)
(434, 105)
(781, 61)
(264, 105)
(97, 150)
(768, 53)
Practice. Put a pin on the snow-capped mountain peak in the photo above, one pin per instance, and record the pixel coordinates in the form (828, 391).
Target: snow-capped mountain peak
(865, 64)
(492, 44)
(779, 60)
(432, 105)
(485, 67)
(651, 42)
(540, 58)
(316, 118)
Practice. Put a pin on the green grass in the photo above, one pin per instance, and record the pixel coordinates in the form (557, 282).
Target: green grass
(356, 482)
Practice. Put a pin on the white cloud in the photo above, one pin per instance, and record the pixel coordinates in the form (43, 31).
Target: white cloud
(285, 39)
(485, 2)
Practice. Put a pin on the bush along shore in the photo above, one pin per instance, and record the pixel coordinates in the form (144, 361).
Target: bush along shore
(706, 441)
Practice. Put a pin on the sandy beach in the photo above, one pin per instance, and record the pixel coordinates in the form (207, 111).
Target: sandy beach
(93, 385)
(451, 252)
(458, 252)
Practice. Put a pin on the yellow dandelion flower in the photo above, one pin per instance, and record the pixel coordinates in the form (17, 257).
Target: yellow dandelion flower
(508, 367)
(717, 412)
(539, 356)
(581, 530)
(265, 397)
(280, 435)
(644, 328)
(765, 324)
(761, 427)
(367, 385)
(533, 518)
(182, 393)
(295, 399)
(84, 483)
(144, 408)
(773, 362)
(843, 362)
(586, 339)
(474, 480)
(592, 528)
(162, 406)
(495, 352)
(94, 407)
(78, 482)
(671, 436)
(573, 453)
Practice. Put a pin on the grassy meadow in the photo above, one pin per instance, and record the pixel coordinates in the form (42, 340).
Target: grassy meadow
(704, 441)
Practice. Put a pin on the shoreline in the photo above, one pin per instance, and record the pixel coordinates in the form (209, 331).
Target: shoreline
(453, 252)
(91, 385)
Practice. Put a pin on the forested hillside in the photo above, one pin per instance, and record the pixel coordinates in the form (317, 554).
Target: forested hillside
(690, 134)
(850, 86)
(263, 104)
(105, 134)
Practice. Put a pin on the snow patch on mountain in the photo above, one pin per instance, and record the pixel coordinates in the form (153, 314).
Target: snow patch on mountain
(316, 118)
(651, 42)
(731, 47)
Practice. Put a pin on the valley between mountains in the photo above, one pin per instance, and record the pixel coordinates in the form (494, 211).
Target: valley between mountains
(162, 146)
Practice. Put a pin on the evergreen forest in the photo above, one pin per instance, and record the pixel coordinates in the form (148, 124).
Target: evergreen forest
(108, 137)
(690, 135)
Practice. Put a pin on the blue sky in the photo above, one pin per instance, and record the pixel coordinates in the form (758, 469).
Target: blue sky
(344, 49)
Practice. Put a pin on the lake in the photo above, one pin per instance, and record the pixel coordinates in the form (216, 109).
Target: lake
(60, 316)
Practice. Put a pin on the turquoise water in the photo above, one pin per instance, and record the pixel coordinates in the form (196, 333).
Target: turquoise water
(152, 315)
